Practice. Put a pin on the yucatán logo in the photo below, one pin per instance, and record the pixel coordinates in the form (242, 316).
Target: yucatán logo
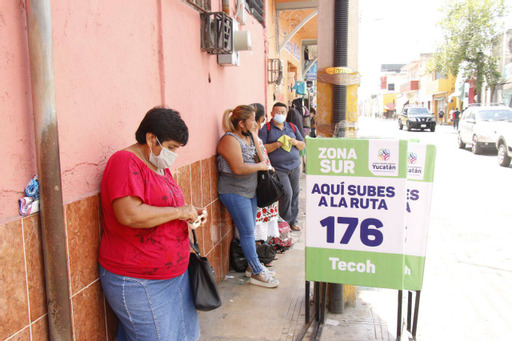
(385, 165)
(384, 154)
(412, 158)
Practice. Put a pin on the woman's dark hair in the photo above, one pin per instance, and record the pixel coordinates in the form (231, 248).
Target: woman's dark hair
(260, 110)
(166, 124)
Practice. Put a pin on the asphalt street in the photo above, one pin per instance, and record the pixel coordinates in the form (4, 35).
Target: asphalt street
(468, 273)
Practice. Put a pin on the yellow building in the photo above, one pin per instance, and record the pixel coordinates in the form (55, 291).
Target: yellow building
(389, 104)
(440, 89)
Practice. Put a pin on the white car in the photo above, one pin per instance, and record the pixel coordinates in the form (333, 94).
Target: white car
(504, 143)
(479, 126)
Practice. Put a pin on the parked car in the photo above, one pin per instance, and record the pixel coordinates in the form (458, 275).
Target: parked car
(479, 125)
(416, 118)
(504, 143)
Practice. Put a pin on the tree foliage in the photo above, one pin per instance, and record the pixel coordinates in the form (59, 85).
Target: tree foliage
(469, 28)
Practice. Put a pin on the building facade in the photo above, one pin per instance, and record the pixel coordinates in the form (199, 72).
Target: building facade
(113, 61)
(503, 53)
(391, 78)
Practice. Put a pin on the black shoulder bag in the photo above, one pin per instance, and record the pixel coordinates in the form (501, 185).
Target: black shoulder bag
(202, 280)
(269, 189)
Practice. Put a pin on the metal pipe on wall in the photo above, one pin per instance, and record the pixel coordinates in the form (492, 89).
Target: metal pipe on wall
(48, 168)
(225, 6)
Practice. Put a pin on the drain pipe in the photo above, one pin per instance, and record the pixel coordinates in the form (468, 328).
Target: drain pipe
(339, 112)
(48, 168)
(225, 6)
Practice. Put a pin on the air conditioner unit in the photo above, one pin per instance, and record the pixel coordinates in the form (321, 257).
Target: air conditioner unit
(275, 71)
(241, 42)
(200, 5)
(232, 59)
(216, 33)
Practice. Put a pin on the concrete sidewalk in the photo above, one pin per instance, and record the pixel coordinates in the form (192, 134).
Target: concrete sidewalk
(250, 312)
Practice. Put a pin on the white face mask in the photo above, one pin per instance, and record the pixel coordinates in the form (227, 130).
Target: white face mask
(164, 160)
(279, 118)
(263, 123)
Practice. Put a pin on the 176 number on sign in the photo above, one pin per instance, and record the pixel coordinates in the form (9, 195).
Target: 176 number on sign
(368, 231)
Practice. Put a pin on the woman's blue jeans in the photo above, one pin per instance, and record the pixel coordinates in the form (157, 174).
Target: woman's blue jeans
(243, 213)
(151, 310)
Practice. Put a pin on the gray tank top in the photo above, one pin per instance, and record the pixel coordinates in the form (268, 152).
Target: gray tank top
(244, 185)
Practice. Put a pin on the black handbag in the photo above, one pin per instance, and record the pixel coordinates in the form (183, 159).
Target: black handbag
(265, 252)
(237, 258)
(269, 188)
(202, 280)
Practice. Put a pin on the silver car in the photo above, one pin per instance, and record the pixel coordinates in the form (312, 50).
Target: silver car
(479, 125)
(504, 144)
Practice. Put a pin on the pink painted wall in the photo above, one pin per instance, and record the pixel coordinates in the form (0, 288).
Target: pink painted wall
(17, 149)
(108, 72)
(201, 89)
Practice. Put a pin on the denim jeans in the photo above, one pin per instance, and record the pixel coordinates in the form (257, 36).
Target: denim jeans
(151, 309)
(289, 202)
(243, 212)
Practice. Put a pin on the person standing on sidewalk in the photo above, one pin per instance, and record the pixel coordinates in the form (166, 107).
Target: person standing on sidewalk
(266, 217)
(144, 249)
(313, 122)
(286, 160)
(456, 114)
(238, 180)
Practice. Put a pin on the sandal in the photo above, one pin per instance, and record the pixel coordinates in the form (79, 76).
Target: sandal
(295, 227)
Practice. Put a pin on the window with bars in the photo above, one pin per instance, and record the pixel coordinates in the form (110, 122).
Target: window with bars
(257, 9)
(200, 5)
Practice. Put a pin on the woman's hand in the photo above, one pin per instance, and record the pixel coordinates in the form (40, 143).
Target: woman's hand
(201, 211)
(262, 166)
(131, 211)
(188, 213)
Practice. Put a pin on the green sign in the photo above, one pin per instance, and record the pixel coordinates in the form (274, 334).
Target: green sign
(368, 205)
(355, 221)
(420, 176)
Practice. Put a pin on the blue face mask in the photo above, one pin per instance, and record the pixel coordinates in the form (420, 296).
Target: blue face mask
(279, 118)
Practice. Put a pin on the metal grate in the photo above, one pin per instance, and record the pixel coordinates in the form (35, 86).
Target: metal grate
(257, 9)
(275, 71)
(201, 5)
(216, 33)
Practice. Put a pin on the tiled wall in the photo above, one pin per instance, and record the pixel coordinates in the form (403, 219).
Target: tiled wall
(23, 311)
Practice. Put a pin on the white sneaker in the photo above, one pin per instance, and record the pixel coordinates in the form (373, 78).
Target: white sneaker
(264, 280)
(248, 272)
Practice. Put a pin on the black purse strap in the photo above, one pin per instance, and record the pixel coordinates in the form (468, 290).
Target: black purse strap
(195, 245)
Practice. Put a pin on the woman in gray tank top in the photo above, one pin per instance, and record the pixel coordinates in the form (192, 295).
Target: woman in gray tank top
(238, 170)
